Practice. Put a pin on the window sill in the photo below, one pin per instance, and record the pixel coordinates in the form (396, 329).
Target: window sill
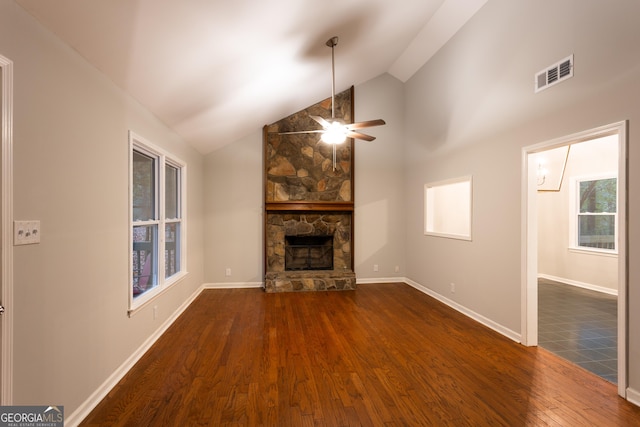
(153, 294)
(597, 252)
(449, 236)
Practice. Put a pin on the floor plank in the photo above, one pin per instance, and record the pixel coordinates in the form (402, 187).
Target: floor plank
(384, 354)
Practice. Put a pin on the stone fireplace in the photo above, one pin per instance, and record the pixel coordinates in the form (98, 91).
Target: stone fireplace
(311, 271)
(308, 204)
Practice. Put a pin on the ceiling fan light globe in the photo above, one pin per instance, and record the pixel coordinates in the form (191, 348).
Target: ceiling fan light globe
(336, 133)
(334, 138)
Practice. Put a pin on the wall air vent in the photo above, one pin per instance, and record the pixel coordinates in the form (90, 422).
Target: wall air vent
(554, 74)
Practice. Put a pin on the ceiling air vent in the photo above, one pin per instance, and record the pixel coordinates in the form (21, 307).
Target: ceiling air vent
(553, 74)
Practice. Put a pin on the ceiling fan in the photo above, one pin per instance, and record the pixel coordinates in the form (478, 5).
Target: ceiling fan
(334, 130)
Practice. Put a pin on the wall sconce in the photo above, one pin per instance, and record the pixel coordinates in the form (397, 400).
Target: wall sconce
(542, 173)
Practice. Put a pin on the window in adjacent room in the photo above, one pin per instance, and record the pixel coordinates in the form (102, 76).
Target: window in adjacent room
(594, 220)
(157, 220)
(448, 208)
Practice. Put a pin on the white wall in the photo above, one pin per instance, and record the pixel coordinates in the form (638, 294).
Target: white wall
(472, 108)
(71, 172)
(555, 260)
(234, 205)
(379, 176)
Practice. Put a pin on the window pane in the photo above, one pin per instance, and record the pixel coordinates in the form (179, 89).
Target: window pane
(145, 259)
(172, 249)
(596, 231)
(171, 192)
(143, 187)
(598, 196)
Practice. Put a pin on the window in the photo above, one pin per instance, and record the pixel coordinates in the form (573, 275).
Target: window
(595, 219)
(448, 207)
(157, 221)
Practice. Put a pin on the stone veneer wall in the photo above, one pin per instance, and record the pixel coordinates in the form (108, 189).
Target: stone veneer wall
(299, 168)
(306, 196)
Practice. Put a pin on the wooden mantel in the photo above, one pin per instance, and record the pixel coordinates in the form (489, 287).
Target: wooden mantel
(310, 206)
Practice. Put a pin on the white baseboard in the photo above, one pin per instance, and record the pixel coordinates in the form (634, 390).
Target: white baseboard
(578, 284)
(233, 285)
(247, 285)
(373, 280)
(96, 397)
(633, 396)
(515, 336)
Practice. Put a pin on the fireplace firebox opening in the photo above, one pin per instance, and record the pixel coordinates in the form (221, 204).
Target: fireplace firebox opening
(308, 253)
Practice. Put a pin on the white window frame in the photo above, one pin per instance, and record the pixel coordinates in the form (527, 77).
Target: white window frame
(163, 158)
(574, 210)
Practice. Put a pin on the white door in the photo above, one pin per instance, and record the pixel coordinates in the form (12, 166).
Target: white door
(6, 241)
(1, 246)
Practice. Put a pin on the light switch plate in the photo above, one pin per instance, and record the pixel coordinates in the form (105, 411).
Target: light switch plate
(26, 232)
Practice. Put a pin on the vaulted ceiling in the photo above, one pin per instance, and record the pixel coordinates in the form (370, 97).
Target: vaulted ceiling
(216, 71)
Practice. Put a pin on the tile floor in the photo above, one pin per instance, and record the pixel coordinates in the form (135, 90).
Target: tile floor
(579, 325)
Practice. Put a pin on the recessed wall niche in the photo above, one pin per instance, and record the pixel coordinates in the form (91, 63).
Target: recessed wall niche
(448, 207)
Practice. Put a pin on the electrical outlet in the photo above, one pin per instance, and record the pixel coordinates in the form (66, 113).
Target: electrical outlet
(397, 268)
(375, 267)
(227, 272)
(26, 232)
(155, 312)
(453, 288)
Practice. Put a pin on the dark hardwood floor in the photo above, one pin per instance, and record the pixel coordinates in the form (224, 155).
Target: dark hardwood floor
(385, 354)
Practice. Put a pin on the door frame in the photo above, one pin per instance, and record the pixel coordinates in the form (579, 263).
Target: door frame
(529, 234)
(6, 237)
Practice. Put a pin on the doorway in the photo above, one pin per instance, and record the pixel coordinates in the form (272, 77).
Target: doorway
(575, 241)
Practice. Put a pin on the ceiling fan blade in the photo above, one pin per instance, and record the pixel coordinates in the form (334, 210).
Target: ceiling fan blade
(300, 131)
(325, 124)
(367, 124)
(359, 135)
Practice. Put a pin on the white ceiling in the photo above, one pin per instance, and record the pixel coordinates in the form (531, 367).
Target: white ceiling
(216, 71)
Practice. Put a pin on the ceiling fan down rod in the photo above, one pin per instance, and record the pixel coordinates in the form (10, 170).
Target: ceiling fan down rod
(332, 42)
